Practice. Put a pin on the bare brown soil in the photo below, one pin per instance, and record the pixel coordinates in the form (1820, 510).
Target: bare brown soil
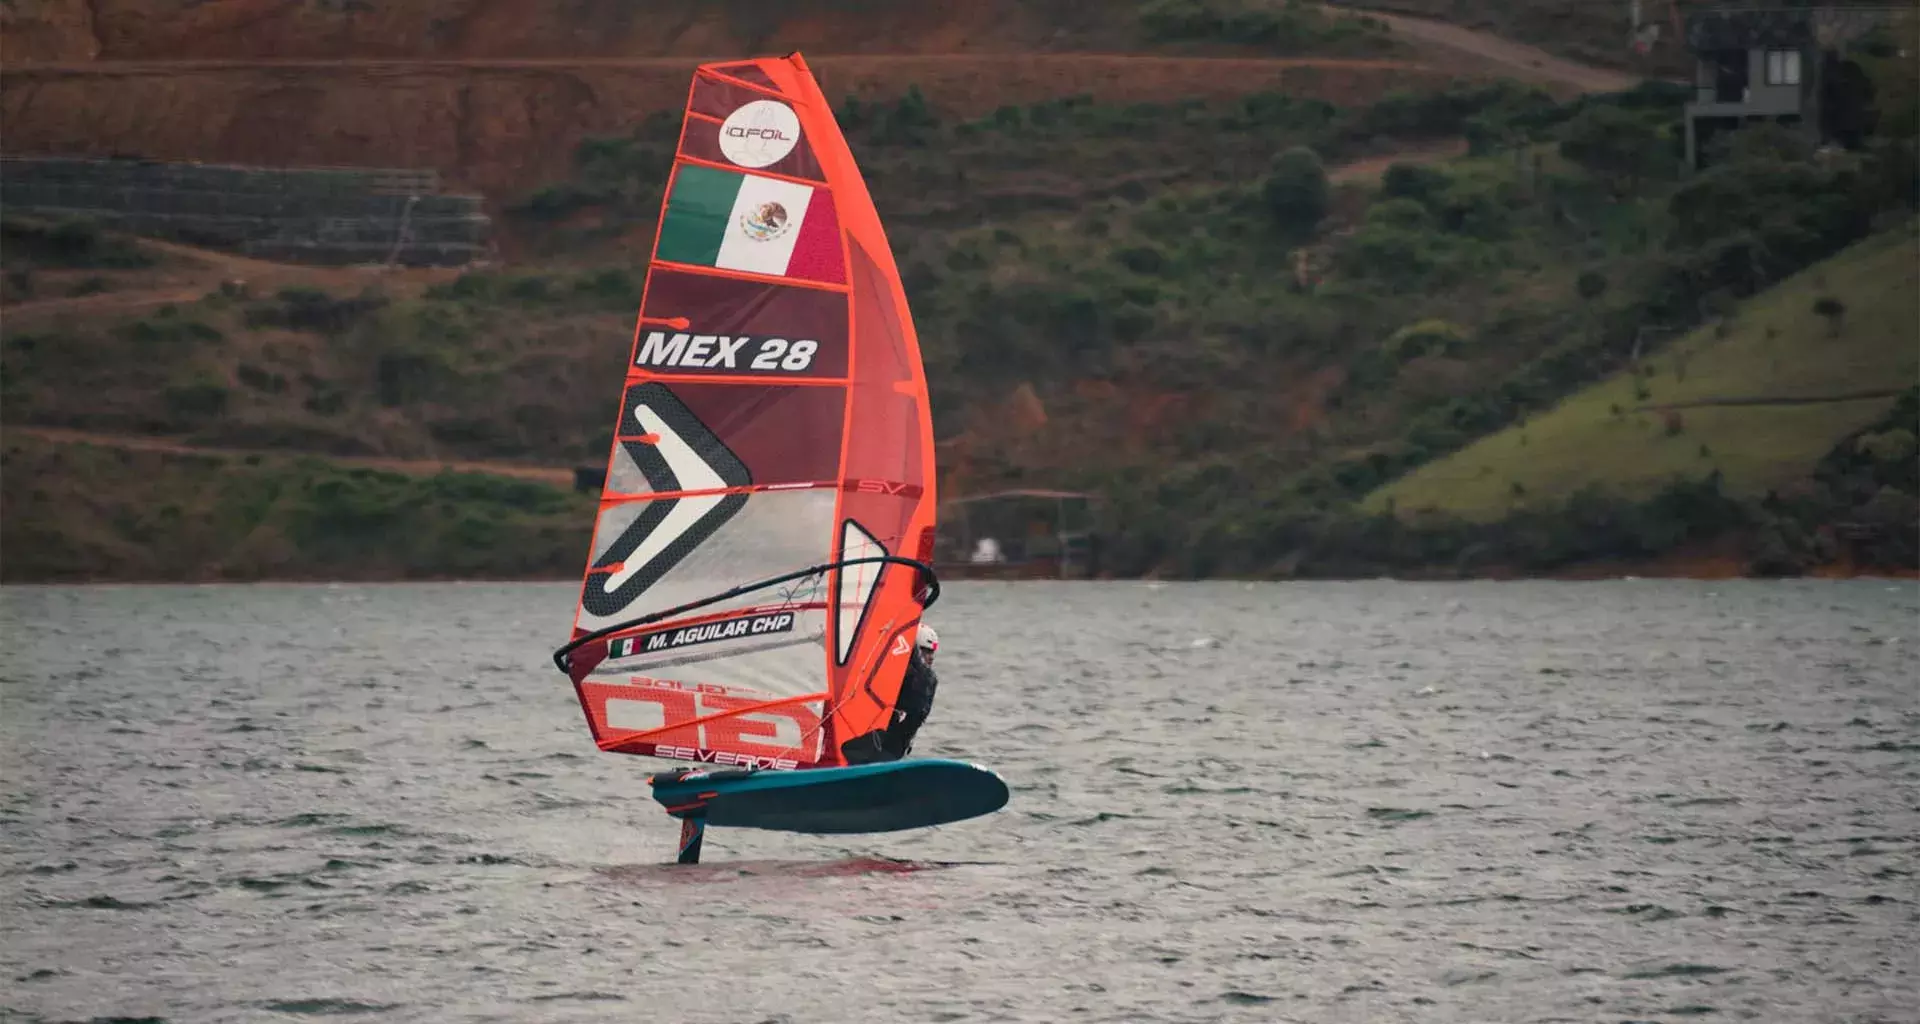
(503, 126)
(222, 29)
(1585, 31)
(494, 94)
(1493, 55)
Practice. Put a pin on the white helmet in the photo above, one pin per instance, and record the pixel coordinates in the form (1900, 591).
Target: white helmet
(928, 641)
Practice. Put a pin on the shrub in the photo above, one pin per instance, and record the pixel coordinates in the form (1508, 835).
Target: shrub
(1477, 206)
(1417, 182)
(1592, 284)
(17, 285)
(1143, 259)
(1290, 30)
(259, 379)
(69, 243)
(402, 377)
(1426, 338)
(1296, 191)
(310, 309)
(166, 330)
(1891, 446)
(197, 399)
(1833, 310)
(1404, 214)
(612, 288)
(1612, 143)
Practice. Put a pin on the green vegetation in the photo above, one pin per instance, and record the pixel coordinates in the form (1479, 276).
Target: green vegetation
(621, 175)
(513, 364)
(28, 243)
(482, 367)
(1637, 431)
(1292, 28)
(1222, 335)
(611, 289)
(1238, 389)
(931, 173)
(80, 512)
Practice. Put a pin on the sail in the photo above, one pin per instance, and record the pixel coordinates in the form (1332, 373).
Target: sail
(750, 595)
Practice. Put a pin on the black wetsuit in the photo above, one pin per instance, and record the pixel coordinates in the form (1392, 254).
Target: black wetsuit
(909, 713)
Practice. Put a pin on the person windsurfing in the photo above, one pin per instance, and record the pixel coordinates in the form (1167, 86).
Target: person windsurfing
(910, 712)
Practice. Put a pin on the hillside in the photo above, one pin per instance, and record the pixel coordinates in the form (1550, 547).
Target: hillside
(136, 30)
(509, 363)
(1581, 30)
(89, 512)
(1569, 61)
(1140, 300)
(494, 94)
(1758, 399)
(503, 126)
(70, 31)
(1235, 293)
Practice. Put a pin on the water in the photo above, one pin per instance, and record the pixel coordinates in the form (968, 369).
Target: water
(1306, 802)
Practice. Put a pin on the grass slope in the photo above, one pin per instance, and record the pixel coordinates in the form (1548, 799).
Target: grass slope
(86, 512)
(1620, 434)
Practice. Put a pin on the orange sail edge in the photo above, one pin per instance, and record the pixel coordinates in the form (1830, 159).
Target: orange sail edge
(791, 417)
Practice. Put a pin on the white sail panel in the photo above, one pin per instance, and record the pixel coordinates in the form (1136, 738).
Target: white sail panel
(856, 583)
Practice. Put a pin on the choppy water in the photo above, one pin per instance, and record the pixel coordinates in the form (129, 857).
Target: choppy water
(1307, 802)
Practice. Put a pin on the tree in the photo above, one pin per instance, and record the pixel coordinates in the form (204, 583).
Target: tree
(1833, 310)
(1296, 191)
(1592, 284)
(1885, 57)
(1612, 143)
(1413, 181)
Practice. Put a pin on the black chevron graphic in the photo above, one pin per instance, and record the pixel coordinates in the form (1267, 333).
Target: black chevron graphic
(687, 457)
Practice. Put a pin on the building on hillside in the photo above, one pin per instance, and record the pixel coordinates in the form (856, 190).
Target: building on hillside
(1788, 64)
(1019, 534)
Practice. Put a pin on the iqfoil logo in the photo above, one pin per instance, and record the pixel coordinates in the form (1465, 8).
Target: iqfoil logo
(760, 133)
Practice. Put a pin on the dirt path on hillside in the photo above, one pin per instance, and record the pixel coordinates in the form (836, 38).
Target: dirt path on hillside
(854, 60)
(191, 273)
(1373, 167)
(98, 302)
(178, 446)
(1497, 55)
(1702, 403)
(246, 268)
(200, 271)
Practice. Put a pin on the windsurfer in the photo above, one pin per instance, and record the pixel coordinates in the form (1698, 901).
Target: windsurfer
(909, 712)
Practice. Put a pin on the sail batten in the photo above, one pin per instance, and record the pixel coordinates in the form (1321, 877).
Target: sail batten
(770, 483)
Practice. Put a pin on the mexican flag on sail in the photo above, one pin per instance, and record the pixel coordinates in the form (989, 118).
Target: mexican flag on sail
(752, 223)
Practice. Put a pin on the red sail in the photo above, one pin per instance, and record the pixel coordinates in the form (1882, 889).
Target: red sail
(774, 421)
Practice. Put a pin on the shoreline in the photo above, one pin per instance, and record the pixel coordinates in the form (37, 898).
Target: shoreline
(1704, 574)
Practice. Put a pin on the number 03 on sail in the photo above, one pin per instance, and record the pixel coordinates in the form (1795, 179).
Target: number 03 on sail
(760, 557)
